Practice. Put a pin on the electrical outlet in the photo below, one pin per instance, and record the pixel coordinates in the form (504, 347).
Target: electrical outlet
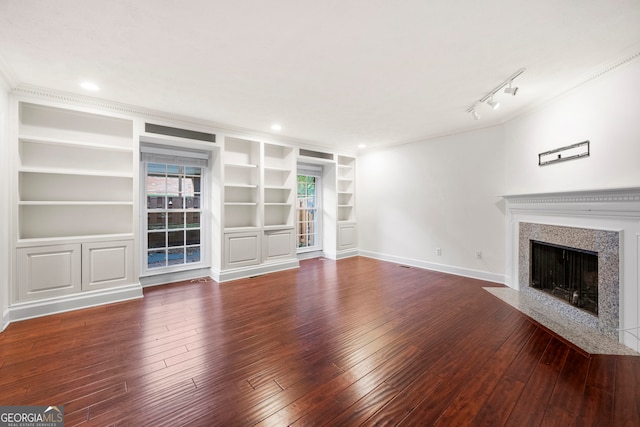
(438, 251)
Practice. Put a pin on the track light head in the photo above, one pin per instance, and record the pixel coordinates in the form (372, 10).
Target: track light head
(493, 104)
(511, 90)
(488, 98)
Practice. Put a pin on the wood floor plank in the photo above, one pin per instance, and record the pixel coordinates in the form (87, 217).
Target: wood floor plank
(319, 396)
(627, 392)
(343, 399)
(597, 403)
(456, 370)
(497, 408)
(566, 398)
(527, 360)
(533, 401)
(405, 401)
(363, 409)
(348, 342)
(471, 399)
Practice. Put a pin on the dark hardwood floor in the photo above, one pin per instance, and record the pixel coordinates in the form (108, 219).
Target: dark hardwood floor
(352, 342)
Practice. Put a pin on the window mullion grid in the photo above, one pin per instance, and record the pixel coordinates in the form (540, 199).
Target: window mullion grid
(176, 203)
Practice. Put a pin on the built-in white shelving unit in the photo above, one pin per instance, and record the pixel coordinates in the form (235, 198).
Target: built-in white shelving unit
(346, 178)
(279, 182)
(259, 203)
(76, 201)
(346, 227)
(75, 173)
(241, 160)
(241, 202)
(74, 206)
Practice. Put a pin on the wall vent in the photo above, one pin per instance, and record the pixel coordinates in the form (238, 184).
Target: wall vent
(316, 154)
(181, 133)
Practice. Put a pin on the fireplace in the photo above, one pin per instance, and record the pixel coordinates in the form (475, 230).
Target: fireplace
(605, 222)
(561, 250)
(569, 274)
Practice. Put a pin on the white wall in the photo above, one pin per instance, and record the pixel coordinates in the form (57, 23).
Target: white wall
(5, 205)
(605, 111)
(441, 193)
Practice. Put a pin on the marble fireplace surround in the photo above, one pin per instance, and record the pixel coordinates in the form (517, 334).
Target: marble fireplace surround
(606, 221)
(606, 243)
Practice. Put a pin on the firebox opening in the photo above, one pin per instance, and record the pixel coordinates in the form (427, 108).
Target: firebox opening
(569, 274)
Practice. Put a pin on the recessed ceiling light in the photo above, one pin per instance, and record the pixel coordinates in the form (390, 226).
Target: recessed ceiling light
(89, 86)
(276, 126)
(362, 145)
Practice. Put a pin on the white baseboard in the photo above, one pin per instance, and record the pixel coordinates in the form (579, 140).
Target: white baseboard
(346, 253)
(178, 276)
(31, 309)
(310, 255)
(257, 270)
(458, 271)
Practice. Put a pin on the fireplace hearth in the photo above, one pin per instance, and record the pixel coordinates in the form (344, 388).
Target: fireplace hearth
(569, 274)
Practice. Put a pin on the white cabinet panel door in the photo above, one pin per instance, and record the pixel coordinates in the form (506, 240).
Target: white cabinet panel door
(48, 271)
(242, 249)
(107, 264)
(279, 244)
(346, 236)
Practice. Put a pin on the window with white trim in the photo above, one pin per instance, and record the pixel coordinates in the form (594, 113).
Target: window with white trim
(174, 215)
(309, 208)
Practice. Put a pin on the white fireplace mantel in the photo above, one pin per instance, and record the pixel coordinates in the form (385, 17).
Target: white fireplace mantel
(612, 199)
(616, 209)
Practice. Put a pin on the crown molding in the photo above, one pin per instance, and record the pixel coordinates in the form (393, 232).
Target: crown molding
(29, 91)
(78, 100)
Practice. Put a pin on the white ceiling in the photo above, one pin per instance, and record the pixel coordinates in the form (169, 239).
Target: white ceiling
(333, 72)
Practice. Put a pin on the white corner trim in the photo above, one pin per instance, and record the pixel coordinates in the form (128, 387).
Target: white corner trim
(5, 320)
(457, 271)
(31, 309)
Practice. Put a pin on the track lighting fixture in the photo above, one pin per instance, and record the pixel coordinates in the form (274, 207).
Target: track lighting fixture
(493, 104)
(488, 98)
(474, 112)
(511, 90)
